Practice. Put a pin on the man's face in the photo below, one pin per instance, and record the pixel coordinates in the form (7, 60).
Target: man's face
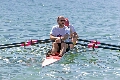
(61, 21)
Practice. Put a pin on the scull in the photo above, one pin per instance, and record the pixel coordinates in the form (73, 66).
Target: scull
(51, 59)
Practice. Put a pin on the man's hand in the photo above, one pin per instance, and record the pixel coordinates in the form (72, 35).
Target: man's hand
(58, 40)
(66, 36)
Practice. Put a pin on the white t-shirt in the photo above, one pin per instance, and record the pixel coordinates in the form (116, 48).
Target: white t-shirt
(72, 28)
(56, 31)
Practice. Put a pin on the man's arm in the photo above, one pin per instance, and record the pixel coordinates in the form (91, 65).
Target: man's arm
(52, 37)
(74, 34)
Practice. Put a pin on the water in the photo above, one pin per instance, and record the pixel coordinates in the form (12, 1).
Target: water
(22, 20)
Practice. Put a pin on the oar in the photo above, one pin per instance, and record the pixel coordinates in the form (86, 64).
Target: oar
(92, 45)
(32, 42)
(28, 43)
(96, 42)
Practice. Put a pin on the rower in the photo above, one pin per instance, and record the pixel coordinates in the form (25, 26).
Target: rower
(59, 34)
(74, 35)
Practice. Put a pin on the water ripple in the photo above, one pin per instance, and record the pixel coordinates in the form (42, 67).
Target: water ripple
(24, 20)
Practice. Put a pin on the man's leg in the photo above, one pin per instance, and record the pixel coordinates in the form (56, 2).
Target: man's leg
(54, 48)
(74, 40)
(63, 49)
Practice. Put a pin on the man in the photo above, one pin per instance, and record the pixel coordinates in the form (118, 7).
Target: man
(73, 35)
(59, 34)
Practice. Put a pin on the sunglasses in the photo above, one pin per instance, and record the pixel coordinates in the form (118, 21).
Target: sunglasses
(62, 20)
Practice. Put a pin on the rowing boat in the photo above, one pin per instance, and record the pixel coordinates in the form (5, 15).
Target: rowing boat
(51, 59)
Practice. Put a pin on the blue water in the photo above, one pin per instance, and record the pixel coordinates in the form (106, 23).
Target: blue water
(22, 20)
